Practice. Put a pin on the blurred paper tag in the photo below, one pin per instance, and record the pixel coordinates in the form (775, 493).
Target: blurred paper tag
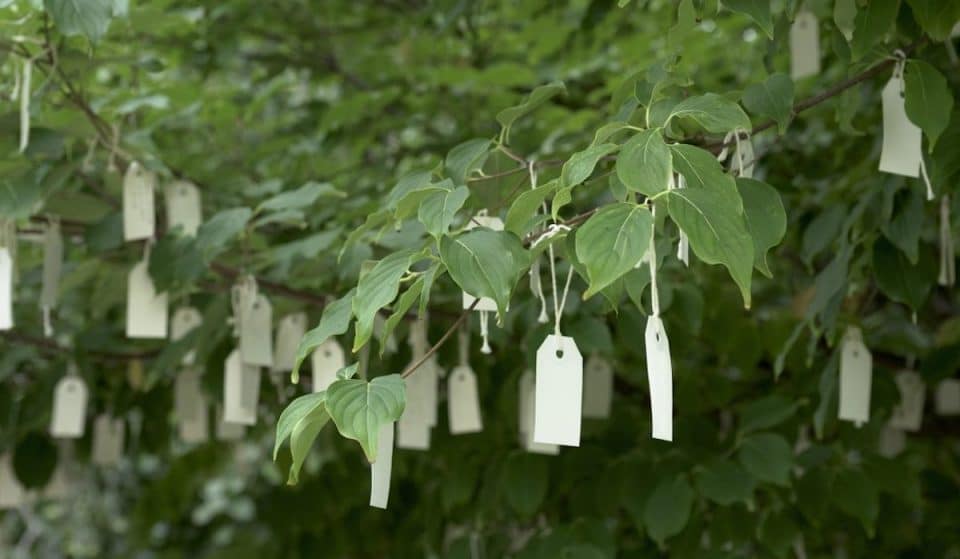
(69, 408)
(138, 206)
(856, 373)
(660, 377)
(108, 433)
(241, 390)
(908, 414)
(227, 431)
(193, 416)
(146, 309)
(804, 46)
(496, 224)
(948, 397)
(892, 441)
(52, 265)
(184, 320)
(559, 392)
(380, 470)
(527, 402)
(290, 331)
(183, 207)
(256, 341)
(12, 494)
(419, 415)
(901, 153)
(597, 388)
(463, 402)
(326, 360)
(6, 289)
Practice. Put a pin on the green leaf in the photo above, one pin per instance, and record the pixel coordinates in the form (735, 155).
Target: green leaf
(700, 169)
(855, 494)
(525, 207)
(407, 184)
(525, 482)
(440, 206)
(714, 113)
(685, 24)
(306, 409)
(611, 243)
(903, 229)
(725, 483)
(771, 99)
(766, 412)
(400, 310)
(872, 23)
(757, 10)
(936, 17)
(333, 322)
(214, 234)
(466, 158)
(375, 290)
(928, 99)
(581, 164)
(359, 408)
(537, 97)
(668, 509)
(485, 263)
(645, 164)
(413, 200)
(767, 457)
(302, 197)
(90, 18)
(766, 219)
(900, 280)
(717, 231)
(302, 435)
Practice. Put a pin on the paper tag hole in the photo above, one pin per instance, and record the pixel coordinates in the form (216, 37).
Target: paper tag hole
(559, 354)
(326, 353)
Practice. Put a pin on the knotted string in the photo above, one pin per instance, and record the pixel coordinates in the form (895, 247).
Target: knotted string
(536, 285)
(652, 256)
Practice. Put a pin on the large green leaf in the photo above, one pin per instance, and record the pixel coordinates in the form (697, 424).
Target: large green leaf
(928, 99)
(900, 280)
(906, 224)
(855, 494)
(668, 509)
(375, 290)
(714, 113)
(725, 483)
(525, 482)
(611, 243)
(90, 18)
(700, 169)
(404, 302)
(520, 216)
(873, 21)
(302, 197)
(537, 97)
(936, 17)
(485, 263)
(717, 231)
(766, 219)
(645, 164)
(773, 98)
(300, 422)
(757, 10)
(333, 322)
(581, 164)
(408, 184)
(359, 408)
(214, 234)
(440, 206)
(767, 457)
(466, 158)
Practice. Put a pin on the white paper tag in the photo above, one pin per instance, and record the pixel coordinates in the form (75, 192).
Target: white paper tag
(6, 289)
(419, 415)
(69, 408)
(326, 360)
(241, 390)
(901, 153)
(559, 392)
(12, 494)
(52, 265)
(892, 441)
(660, 377)
(856, 374)
(804, 46)
(597, 388)
(490, 222)
(908, 415)
(138, 210)
(948, 258)
(184, 320)
(380, 470)
(290, 331)
(227, 431)
(463, 402)
(146, 309)
(108, 433)
(948, 397)
(527, 402)
(60, 485)
(190, 408)
(183, 207)
(256, 342)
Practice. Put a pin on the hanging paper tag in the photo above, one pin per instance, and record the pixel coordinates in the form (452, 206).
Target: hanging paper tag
(660, 377)
(256, 344)
(380, 470)
(146, 309)
(69, 408)
(419, 415)
(559, 392)
(901, 153)
(138, 211)
(183, 207)
(892, 441)
(948, 258)
(948, 397)
(527, 401)
(108, 435)
(908, 415)
(856, 373)
(184, 320)
(597, 388)
(190, 407)
(485, 304)
(241, 390)
(289, 333)
(6, 289)
(60, 485)
(463, 402)
(804, 46)
(227, 431)
(52, 264)
(326, 360)
(12, 494)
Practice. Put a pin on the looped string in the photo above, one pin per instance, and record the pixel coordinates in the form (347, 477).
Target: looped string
(536, 286)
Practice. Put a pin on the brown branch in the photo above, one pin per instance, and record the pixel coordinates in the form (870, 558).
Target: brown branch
(50, 346)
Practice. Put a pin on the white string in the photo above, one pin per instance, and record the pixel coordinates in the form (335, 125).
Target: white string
(463, 344)
(485, 332)
(553, 230)
(926, 179)
(652, 255)
(25, 105)
(683, 247)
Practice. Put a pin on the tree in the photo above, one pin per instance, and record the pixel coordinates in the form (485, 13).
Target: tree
(348, 159)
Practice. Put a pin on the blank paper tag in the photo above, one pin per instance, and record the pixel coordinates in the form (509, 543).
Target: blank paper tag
(227, 431)
(908, 415)
(901, 153)
(463, 402)
(61, 484)
(146, 309)
(490, 222)
(289, 332)
(138, 211)
(256, 342)
(892, 441)
(527, 401)
(183, 207)
(108, 435)
(804, 46)
(190, 408)
(326, 360)
(419, 415)
(597, 388)
(948, 397)
(856, 373)
(52, 265)
(184, 320)
(241, 390)
(12, 494)
(380, 470)
(6, 289)
(559, 392)
(69, 408)
(660, 377)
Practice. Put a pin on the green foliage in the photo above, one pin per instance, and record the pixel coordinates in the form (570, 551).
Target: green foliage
(928, 100)
(359, 408)
(334, 322)
(773, 98)
(645, 164)
(612, 242)
(485, 263)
